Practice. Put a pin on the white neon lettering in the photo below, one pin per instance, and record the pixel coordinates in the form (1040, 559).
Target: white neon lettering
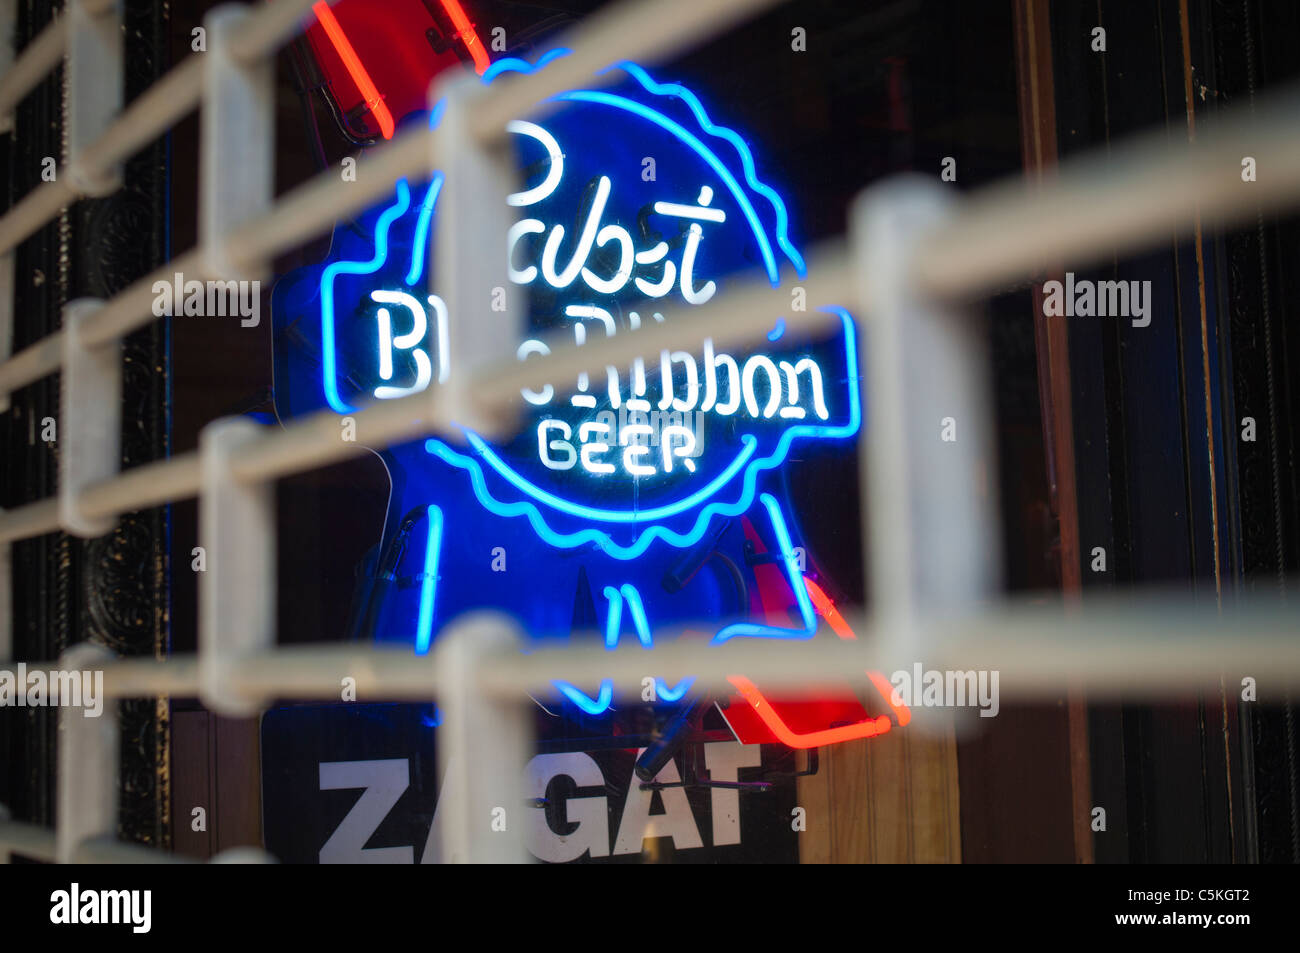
(635, 449)
(527, 226)
(685, 451)
(666, 362)
(546, 445)
(444, 347)
(554, 174)
(711, 364)
(594, 235)
(752, 367)
(389, 342)
(591, 448)
(656, 289)
(692, 294)
(792, 372)
(625, 262)
(690, 211)
(562, 279)
(535, 397)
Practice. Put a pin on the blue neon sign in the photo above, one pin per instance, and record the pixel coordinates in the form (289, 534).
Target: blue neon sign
(632, 199)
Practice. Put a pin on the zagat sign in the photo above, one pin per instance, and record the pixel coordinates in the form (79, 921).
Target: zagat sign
(632, 204)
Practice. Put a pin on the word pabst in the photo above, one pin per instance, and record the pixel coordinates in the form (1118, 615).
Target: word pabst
(653, 422)
(212, 299)
(1083, 298)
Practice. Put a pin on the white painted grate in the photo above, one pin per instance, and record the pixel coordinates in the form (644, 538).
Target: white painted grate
(910, 262)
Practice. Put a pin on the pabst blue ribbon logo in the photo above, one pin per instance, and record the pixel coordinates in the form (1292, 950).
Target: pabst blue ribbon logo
(633, 203)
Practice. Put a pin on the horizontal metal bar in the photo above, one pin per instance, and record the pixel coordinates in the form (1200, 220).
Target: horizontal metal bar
(27, 839)
(103, 850)
(1150, 649)
(28, 520)
(38, 59)
(153, 484)
(34, 210)
(630, 30)
(1144, 648)
(32, 363)
(316, 440)
(742, 317)
(132, 308)
(126, 312)
(148, 116)
(1124, 199)
(316, 205)
(270, 26)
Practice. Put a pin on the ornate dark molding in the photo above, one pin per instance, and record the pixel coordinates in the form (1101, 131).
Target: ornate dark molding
(112, 590)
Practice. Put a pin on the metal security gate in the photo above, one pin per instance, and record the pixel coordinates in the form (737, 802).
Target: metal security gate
(914, 262)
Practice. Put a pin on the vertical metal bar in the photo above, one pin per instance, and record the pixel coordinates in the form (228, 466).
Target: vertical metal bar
(8, 22)
(87, 763)
(91, 412)
(237, 144)
(236, 518)
(483, 747)
(928, 460)
(237, 588)
(6, 602)
(468, 259)
(93, 93)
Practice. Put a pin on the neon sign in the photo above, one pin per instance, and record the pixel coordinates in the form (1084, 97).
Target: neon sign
(632, 199)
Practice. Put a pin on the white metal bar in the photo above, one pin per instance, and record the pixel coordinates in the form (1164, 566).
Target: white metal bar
(87, 763)
(132, 307)
(109, 850)
(1120, 200)
(269, 27)
(6, 602)
(153, 484)
(317, 204)
(8, 34)
(91, 412)
(738, 319)
(483, 744)
(264, 29)
(237, 590)
(149, 115)
(928, 461)
(236, 143)
(981, 248)
(1155, 645)
(467, 253)
(34, 210)
(629, 30)
(30, 519)
(29, 840)
(37, 60)
(93, 91)
(6, 318)
(31, 363)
